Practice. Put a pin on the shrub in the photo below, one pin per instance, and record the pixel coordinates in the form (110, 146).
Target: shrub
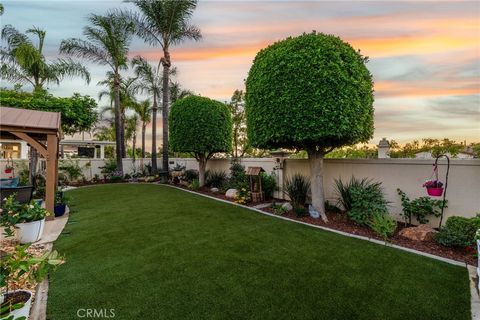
(195, 185)
(330, 207)
(243, 196)
(215, 179)
(269, 184)
(312, 92)
(200, 126)
(362, 199)
(297, 188)
(72, 169)
(420, 208)
(190, 175)
(383, 224)
(343, 190)
(237, 174)
(458, 232)
(278, 209)
(116, 178)
(109, 167)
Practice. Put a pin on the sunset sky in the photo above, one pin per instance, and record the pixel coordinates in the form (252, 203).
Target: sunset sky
(424, 56)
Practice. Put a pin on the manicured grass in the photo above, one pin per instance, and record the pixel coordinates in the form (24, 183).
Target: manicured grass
(153, 252)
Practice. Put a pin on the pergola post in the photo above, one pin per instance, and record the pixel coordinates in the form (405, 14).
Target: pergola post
(52, 172)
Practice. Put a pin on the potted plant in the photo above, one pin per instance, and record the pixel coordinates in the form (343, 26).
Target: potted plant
(28, 218)
(20, 266)
(61, 202)
(8, 168)
(434, 187)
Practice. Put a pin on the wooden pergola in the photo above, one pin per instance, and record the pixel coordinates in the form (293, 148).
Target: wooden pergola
(42, 131)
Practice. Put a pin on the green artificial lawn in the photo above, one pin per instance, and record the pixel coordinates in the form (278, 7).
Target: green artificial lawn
(154, 252)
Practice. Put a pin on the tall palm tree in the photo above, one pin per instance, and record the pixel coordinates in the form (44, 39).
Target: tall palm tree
(150, 82)
(127, 100)
(164, 23)
(23, 62)
(177, 92)
(108, 41)
(131, 132)
(143, 110)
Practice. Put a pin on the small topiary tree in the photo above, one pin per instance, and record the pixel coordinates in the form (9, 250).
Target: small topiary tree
(200, 126)
(312, 92)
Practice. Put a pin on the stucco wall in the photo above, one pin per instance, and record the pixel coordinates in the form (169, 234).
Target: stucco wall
(463, 192)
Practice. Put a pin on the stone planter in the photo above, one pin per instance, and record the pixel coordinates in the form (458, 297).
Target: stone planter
(29, 232)
(23, 311)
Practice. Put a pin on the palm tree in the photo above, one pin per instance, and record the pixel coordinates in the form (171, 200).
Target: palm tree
(150, 82)
(23, 62)
(164, 23)
(127, 100)
(177, 92)
(143, 109)
(131, 133)
(108, 41)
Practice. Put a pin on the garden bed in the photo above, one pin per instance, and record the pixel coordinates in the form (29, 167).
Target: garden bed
(339, 221)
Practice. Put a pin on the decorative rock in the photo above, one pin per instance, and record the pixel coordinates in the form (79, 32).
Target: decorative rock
(214, 189)
(287, 206)
(313, 213)
(231, 193)
(422, 232)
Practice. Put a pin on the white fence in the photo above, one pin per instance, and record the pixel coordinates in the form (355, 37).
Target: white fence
(463, 192)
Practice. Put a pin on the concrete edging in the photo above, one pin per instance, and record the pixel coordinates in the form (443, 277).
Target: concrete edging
(454, 262)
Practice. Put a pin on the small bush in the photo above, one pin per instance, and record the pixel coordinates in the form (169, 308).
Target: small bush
(215, 179)
(190, 175)
(243, 196)
(109, 168)
(458, 232)
(269, 184)
(237, 174)
(344, 190)
(195, 185)
(362, 199)
(420, 208)
(297, 188)
(330, 207)
(278, 209)
(72, 169)
(383, 224)
(116, 178)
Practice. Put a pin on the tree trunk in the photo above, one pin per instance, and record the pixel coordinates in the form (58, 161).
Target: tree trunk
(315, 159)
(118, 126)
(165, 103)
(144, 128)
(33, 166)
(122, 122)
(134, 142)
(202, 164)
(154, 134)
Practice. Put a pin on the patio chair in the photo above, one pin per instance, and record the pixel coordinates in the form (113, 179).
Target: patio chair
(23, 194)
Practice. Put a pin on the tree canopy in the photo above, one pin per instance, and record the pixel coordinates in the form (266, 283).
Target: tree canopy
(309, 92)
(200, 126)
(78, 112)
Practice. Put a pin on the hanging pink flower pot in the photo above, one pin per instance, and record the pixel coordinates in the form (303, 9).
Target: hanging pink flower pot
(434, 188)
(435, 192)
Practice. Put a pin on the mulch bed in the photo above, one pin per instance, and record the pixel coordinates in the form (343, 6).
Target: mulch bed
(340, 221)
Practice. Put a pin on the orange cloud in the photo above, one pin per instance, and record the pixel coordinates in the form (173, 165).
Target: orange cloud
(409, 89)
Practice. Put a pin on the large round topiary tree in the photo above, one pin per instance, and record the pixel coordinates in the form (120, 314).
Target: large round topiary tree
(202, 127)
(312, 92)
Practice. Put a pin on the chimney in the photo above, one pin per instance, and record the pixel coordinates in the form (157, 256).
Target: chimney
(383, 149)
